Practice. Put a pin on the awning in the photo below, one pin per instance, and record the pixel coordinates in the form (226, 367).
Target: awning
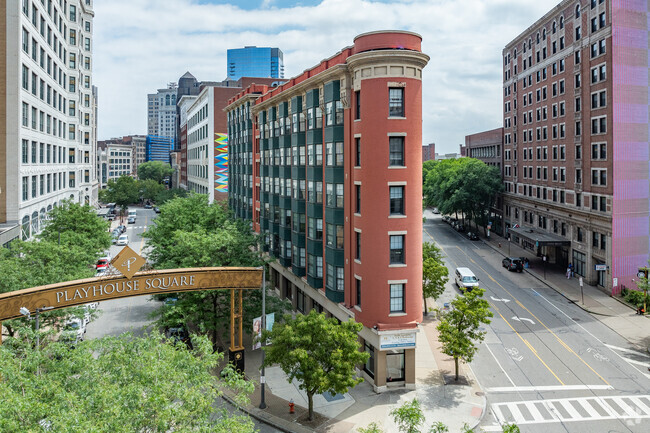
(539, 238)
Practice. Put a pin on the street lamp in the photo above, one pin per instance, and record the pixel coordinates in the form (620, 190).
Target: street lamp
(25, 312)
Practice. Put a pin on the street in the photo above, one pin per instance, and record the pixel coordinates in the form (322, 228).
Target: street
(132, 314)
(546, 364)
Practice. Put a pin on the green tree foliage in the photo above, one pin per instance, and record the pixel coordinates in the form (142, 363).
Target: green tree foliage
(373, 427)
(123, 191)
(149, 189)
(154, 170)
(426, 168)
(434, 273)
(510, 428)
(459, 329)
(73, 224)
(169, 194)
(408, 417)
(190, 232)
(465, 185)
(116, 384)
(318, 352)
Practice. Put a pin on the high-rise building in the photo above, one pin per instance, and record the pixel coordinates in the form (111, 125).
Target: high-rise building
(159, 148)
(47, 109)
(576, 132)
(328, 167)
(161, 112)
(255, 62)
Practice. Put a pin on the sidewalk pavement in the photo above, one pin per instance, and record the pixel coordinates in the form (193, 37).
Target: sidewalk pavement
(610, 310)
(442, 399)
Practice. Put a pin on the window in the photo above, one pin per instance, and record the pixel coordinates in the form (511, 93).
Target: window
(357, 208)
(578, 33)
(357, 111)
(397, 200)
(599, 125)
(577, 57)
(397, 249)
(358, 239)
(599, 177)
(397, 298)
(358, 284)
(334, 154)
(26, 79)
(396, 102)
(357, 145)
(396, 151)
(25, 188)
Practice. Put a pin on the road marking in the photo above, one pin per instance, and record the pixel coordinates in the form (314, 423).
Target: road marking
(622, 349)
(565, 410)
(499, 300)
(610, 347)
(544, 388)
(519, 319)
(499, 364)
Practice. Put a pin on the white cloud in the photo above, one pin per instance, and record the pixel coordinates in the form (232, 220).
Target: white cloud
(141, 45)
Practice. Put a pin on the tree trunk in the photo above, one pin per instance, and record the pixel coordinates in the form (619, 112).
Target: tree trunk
(426, 310)
(456, 363)
(310, 399)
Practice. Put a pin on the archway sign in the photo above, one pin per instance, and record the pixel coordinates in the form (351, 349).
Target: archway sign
(133, 283)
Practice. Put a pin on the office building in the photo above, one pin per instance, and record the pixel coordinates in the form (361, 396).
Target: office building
(576, 139)
(161, 112)
(328, 167)
(159, 148)
(47, 106)
(255, 62)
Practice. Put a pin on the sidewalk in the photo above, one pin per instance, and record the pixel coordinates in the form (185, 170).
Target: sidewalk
(612, 312)
(441, 398)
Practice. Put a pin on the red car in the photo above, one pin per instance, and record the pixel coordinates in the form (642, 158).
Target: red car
(102, 263)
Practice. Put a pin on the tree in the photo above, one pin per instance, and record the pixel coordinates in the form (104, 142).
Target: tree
(434, 273)
(149, 189)
(123, 191)
(459, 329)
(318, 352)
(117, 384)
(408, 417)
(190, 232)
(154, 170)
(168, 194)
(74, 224)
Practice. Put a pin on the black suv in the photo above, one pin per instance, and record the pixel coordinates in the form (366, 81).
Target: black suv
(513, 264)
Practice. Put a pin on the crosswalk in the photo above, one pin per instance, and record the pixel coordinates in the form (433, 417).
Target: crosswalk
(593, 408)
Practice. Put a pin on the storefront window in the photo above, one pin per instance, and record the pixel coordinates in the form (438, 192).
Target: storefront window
(395, 365)
(370, 364)
(579, 260)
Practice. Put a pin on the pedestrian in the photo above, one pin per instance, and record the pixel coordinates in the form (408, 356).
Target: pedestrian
(640, 310)
(571, 269)
(568, 273)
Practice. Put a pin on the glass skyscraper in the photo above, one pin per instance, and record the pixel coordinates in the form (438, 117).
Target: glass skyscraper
(255, 62)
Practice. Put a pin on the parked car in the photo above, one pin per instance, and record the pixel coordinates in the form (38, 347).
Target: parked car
(178, 334)
(122, 240)
(76, 327)
(121, 228)
(435, 210)
(446, 218)
(156, 209)
(168, 302)
(115, 236)
(103, 263)
(131, 220)
(472, 236)
(148, 206)
(460, 228)
(513, 264)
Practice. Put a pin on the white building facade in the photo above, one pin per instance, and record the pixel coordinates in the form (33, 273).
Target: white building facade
(47, 142)
(161, 112)
(200, 144)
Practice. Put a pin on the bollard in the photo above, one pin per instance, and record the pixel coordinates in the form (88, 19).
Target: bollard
(291, 407)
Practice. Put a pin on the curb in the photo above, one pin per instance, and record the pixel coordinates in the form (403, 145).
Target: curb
(270, 419)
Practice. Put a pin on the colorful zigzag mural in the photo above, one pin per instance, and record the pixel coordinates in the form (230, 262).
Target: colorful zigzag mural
(221, 162)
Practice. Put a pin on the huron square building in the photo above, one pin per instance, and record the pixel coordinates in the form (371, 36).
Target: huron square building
(576, 129)
(328, 167)
(47, 107)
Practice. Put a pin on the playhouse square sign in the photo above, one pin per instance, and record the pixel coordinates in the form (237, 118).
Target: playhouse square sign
(80, 292)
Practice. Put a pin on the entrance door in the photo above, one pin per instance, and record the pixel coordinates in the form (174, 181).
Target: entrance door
(395, 365)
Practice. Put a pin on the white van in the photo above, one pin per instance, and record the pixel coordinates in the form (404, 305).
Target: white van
(132, 213)
(466, 279)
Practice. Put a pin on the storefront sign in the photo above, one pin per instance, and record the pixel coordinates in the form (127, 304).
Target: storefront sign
(601, 267)
(397, 341)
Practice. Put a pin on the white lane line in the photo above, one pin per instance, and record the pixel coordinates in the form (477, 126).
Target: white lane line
(626, 408)
(588, 408)
(592, 335)
(573, 413)
(549, 388)
(535, 413)
(499, 364)
(644, 407)
(622, 349)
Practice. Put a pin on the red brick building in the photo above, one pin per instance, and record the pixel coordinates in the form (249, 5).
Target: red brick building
(328, 168)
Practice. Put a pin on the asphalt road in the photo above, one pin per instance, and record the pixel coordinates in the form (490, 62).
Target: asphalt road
(545, 363)
(132, 314)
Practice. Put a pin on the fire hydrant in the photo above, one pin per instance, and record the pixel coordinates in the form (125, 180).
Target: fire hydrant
(291, 407)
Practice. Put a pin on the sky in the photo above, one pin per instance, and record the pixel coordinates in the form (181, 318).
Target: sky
(142, 45)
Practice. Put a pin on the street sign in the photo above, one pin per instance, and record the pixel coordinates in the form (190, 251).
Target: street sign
(601, 267)
(615, 282)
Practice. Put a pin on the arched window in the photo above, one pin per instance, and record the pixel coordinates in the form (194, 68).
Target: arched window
(561, 23)
(35, 223)
(554, 27)
(166, 99)
(537, 40)
(514, 54)
(577, 11)
(530, 43)
(25, 228)
(544, 34)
